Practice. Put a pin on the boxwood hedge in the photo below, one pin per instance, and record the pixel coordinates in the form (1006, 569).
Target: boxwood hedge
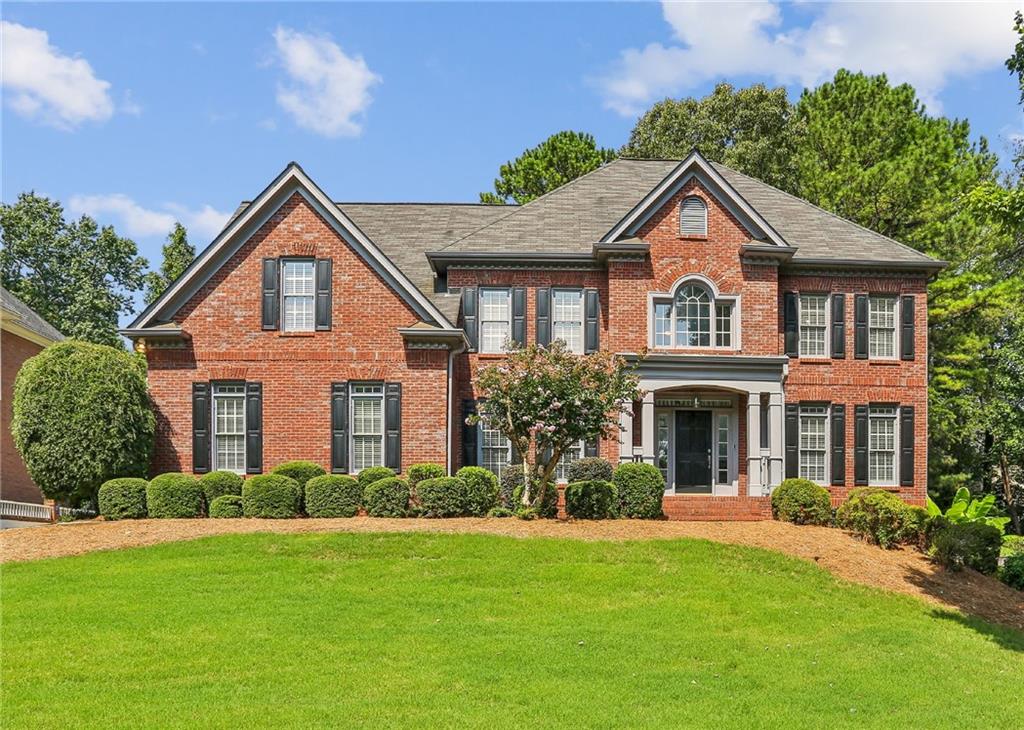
(387, 497)
(174, 495)
(218, 483)
(802, 502)
(590, 468)
(333, 495)
(593, 500)
(373, 474)
(300, 471)
(226, 505)
(123, 499)
(481, 489)
(272, 496)
(420, 472)
(641, 488)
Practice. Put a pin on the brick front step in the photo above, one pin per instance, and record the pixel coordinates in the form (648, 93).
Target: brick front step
(705, 507)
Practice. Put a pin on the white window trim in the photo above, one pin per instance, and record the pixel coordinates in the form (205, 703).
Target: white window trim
(284, 297)
(480, 447)
(582, 320)
(213, 425)
(716, 298)
(353, 396)
(828, 325)
(896, 320)
(679, 214)
(480, 318)
(827, 481)
(895, 446)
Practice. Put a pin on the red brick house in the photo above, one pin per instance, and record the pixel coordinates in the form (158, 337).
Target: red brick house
(781, 339)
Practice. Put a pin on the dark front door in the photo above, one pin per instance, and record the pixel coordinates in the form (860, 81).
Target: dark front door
(693, 451)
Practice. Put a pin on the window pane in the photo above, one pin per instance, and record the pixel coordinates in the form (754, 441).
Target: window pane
(723, 449)
(494, 304)
(367, 416)
(693, 317)
(495, 316)
(229, 427)
(298, 314)
(662, 324)
(367, 426)
(723, 325)
(882, 446)
(882, 326)
(813, 324)
(562, 468)
(813, 443)
(298, 278)
(567, 318)
(494, 449)
(367, 451)
(493, 336)
(663, 427)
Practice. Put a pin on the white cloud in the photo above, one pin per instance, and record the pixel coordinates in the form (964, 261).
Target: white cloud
(924, 44)
(327, 91)
(131, 219)
(42, 83)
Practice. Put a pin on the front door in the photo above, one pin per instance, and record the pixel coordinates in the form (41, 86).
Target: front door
(693, 451)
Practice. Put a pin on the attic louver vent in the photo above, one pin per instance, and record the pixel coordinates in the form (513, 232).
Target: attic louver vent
(693, 218)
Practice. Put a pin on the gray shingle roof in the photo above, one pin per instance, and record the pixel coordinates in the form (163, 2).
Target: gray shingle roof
(26, 317)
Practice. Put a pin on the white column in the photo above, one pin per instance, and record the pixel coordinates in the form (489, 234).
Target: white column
(626, 432)
(776, 438)
(755, 481)
(648, 432)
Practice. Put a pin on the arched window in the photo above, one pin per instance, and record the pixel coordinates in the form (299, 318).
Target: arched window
(693, 317)
(693, 217)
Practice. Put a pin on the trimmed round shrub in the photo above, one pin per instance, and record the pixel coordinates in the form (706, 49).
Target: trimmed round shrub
(511, 483)
(174, 495)
(593, 500)
(123, 499)
(542, 504)
(589, 469)
(227, 505)
(272, 496)
(641, 488)
(802, 502)
(1012, 572)
(387, 497)
(879, 516)
(218, 483)
(82, 416)
(372, 474)
(443, 497)
(971, 544)
(481, 489)
(421, 472)
(333, 495)
(300, 471)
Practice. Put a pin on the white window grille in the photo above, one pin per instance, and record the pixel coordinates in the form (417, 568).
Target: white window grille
(298, 293)
(882, 327)
(495, 449)
(813, 325)
(229, 427)
(495, 319)
(882, 446)
(567, 318)
(367, 425)
(813, 443)
(573, 453)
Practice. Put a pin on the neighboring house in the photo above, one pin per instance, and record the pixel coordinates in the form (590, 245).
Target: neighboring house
(781, 340)
(23, 333)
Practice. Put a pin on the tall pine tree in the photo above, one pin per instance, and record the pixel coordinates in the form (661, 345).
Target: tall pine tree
(178, 254)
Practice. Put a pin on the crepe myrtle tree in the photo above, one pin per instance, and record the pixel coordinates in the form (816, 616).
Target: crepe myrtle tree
(547, 399)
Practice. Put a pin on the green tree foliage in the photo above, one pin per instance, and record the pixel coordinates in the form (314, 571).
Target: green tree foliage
(559, 159)
(77, 276)
(178, 254)
(1015, 63)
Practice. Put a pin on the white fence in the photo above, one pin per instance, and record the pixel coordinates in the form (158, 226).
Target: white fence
(25, 511)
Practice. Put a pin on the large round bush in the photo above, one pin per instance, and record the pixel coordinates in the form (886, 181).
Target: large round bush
(300, 471)
(593, 500)
(641, 488)
(421, 472)
(1012, 572)
(218, 483)
(971, 544)
(802, 502)
(387, 498)
(82, 416)
(481, 489)
(123, 499)
(589, 469)
(878, 516)
(374, 474)
(333, 495)
(227, 506)
(443, 497)
(273, 496)
(174, 495)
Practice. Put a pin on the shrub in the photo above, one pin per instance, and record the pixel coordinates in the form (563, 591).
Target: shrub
(443, 497)
(300, 471)
(589, 469)
(500, 512)
(543, 505)
(879, 516)
(1012, 572)
(333, 495)
(421, 472)
(801, 502)
(593, 500)
(226, 505)
(481, 489)
(82, 416)
(511, 483)
(972, 544)
(641, 488)
(218, 483)
(272, 496)
(123, 499)
(387, 498)
(527, 513)
(373, 474)
(174, 495)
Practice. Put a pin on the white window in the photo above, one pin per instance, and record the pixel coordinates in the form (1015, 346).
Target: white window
(229, 428)
(367, 403)
(567, 318)
(297, 291)
(663, 324)
(694, 318)
(495, 319)
(573, 453)
(882, 446)
(495, 449)
(813, 325)
(693, 217)
(722, 450)
(813, 443)
(723, 325)
(882, 327)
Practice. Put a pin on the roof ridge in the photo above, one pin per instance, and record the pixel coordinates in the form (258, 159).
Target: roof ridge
(413, 202)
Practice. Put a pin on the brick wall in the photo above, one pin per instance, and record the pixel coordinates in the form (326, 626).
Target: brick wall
(15, 483)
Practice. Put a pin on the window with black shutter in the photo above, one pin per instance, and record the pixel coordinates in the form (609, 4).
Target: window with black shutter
(592, 313)
(907, 328)
(270, 298)
(254, 428)
(200, 427)
(543, 316)
(324, 277)
(838, 444)
(393, 426)
(339, 428)
(792, 440)
(791, 330)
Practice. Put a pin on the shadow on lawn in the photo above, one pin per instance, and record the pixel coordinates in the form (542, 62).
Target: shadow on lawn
(1005, 637)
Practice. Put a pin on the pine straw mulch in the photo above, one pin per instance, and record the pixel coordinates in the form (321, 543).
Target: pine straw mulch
(904, 571)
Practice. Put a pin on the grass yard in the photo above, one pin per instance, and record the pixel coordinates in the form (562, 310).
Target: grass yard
(471, 630)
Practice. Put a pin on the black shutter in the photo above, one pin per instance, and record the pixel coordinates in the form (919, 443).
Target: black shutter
(271, 300)
(590, 448)
(200, 427)
(519, 316)
(839, 326)
(860, 445)
(790, 329)
(469, 433)
(543, 316)
(591, 329)
(339, 428)
(254, 428)
(469, 322)
(860, 326)
(907, 328)
(838, 444)
(323, 293)
(792, 441)
(393, 426)
(907, 446)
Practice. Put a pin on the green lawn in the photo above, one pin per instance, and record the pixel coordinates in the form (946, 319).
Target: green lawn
(470, 630)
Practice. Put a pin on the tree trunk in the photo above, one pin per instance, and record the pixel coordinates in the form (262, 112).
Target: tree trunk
(1011, 506)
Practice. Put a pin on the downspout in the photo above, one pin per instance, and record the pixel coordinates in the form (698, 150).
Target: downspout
(450, 402)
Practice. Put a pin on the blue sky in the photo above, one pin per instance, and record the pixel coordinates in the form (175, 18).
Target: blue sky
(140, 114)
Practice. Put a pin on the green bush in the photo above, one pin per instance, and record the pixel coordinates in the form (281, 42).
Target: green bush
(218, 483)
(272, 496)
(880, 517)
(443, 497)
(481, 489)
(421, 472)
(511, 483)
(227, 505)
(82, 416)
(333, 495)
(387, 498)
(174, 495)
(641, 488)
(543, 504)
(801, 502)
(593, 500)
(373, 474)
(1012, 572)
(300, 471)
(500, 512)
(123, 499)
(589, 469)
(972, 544)
(1012, 544)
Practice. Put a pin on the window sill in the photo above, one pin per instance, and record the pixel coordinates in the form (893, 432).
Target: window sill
(296, 334)
(814, 360)
(693, 238)
(492, 355)
(884, 363)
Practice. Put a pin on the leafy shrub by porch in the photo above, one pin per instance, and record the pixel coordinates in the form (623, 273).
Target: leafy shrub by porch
(640, 488)
(588, 469)
(1012, 572)
(541, 504)
(387, 498)
(227, 506)
(218, 483)
(593, 500)
(372, 474)
(174, 495)
(443, 497)
(802, 502)
(333, 495)
(273, 496)
(300, 471)
(971, 544)
(421, 472)
(481, 489)
(880, 517)
(123, 499)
